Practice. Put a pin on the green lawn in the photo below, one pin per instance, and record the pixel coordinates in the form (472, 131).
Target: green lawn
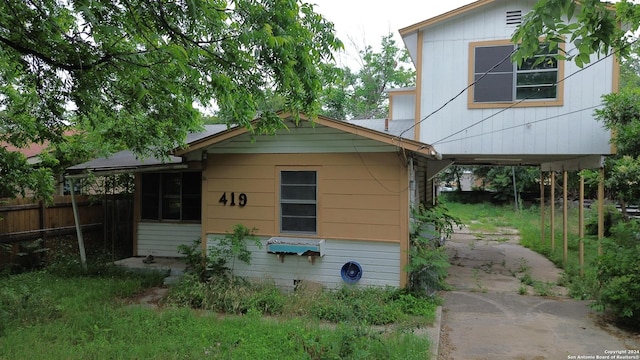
(45, 316)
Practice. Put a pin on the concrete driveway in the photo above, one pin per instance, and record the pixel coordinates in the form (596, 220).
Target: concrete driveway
(492, 314)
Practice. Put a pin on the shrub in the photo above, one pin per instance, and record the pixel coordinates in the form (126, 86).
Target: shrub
(428, 262)
(611, 217)
(223, 251)
(229, 294)
(619, 273)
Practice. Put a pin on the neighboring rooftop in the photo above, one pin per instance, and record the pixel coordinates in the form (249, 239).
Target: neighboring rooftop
(396, 127)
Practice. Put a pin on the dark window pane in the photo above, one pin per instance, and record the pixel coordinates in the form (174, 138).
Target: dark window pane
(171, 183)
(299, 210)
(548, 63)
(292, 192)
(493, 87)
(298, 224)
(486, 57)
(536, 92)
(192, 183)
(191, 209)
(537, 78)
(298, 177)
(171, 208)
(150, 206)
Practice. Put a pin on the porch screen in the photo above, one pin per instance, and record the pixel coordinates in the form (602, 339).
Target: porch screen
(171, 196)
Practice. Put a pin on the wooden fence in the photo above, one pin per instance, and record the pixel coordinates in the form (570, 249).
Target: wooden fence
(106, 223)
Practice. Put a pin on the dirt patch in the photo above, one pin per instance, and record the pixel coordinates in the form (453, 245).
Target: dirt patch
(150, 297)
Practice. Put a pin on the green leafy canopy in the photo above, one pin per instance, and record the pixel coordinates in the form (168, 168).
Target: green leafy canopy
(129, 72)
(592, 26)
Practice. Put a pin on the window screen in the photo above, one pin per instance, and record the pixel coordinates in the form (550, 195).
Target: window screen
(298, 201)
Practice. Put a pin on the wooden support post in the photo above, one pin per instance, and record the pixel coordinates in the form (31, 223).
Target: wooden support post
(542, 234)
(565, 217)
(552, 222)
(600, 210)
(581, 226)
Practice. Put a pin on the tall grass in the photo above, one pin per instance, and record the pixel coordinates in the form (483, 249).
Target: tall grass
(48, 316)
(487, 217)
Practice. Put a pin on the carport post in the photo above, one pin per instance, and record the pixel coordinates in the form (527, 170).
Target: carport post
(542, 239)
(553, 210)
(600, 210)
(581, 226)
(565, 216)
(74, 205)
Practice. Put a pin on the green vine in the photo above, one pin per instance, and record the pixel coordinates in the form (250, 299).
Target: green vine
(224, 250)
(428, 261)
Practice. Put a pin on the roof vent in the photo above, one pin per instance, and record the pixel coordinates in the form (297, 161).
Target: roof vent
(514, 17)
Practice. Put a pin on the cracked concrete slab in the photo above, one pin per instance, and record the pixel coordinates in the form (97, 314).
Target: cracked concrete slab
(491, 314)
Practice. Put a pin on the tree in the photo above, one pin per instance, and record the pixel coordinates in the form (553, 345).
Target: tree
(361, 94)
(129, 72)
(596, 31)
(592, 28)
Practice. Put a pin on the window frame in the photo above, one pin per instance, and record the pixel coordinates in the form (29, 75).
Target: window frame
(282, 201)
(515, 103)
(162, 196)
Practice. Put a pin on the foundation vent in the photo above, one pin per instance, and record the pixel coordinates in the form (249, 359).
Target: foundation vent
(514, 17)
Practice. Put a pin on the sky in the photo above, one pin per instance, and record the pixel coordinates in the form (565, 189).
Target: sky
(365, 22)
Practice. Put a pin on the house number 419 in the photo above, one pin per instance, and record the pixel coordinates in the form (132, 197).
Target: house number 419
(242, 199)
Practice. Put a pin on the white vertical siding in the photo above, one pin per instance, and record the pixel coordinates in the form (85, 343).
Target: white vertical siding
(162, 239)
(380, 262)
(403, 107)
(566, 129)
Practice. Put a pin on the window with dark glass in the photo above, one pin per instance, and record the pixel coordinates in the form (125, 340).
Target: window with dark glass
(499, 80)
(171, 196)
(298, 201)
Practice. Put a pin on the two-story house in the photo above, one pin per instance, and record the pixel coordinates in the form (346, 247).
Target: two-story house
(476, 106)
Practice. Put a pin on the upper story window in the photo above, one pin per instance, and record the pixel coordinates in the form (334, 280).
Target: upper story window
(171, 196)
(501, 83)
(298, 201)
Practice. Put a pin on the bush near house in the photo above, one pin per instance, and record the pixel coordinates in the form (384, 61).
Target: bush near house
(210, 285)
(618, 272)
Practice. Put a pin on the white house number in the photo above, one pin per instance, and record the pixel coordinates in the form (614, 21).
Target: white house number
(242, 199)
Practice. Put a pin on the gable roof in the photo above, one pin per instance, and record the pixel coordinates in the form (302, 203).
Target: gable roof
(127, 161)
(356, 127)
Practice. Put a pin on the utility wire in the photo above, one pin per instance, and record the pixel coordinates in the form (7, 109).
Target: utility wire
(460, 93)
(521, 125)
(519, 101)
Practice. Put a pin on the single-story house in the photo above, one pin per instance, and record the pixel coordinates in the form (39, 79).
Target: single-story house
(330, 199)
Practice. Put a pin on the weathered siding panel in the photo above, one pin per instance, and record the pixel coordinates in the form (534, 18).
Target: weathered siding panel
(380, 264)
(306, 138)
(359, 195)
(162, 239)
(566, 129)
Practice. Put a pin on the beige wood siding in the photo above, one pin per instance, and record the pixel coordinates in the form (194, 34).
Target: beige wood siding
(359, 194)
